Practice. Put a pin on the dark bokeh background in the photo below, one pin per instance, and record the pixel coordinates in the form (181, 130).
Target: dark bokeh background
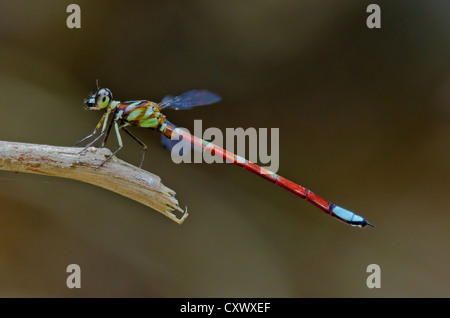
(364, 122)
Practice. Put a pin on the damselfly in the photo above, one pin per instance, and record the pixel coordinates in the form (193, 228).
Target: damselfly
(147, 114)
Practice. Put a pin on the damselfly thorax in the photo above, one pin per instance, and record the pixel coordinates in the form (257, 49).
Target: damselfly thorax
(141, 113)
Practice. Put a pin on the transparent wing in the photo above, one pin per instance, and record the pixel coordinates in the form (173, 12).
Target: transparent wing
(189, 99)
(166, 141)
(166, 99)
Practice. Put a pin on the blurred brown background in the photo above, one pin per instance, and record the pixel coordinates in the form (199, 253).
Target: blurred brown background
(364, 122)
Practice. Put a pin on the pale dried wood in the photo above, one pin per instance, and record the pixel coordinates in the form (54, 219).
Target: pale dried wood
(116, 175)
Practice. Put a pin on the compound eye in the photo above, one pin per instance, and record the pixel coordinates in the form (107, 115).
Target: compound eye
(104, 97)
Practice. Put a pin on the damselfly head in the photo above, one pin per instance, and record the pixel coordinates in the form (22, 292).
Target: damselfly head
(99, 100)
(89, 103)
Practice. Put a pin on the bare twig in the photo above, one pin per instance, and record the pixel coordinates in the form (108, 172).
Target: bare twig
(116, 175)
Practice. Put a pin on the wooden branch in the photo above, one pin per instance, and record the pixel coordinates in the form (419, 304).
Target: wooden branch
(116, 175)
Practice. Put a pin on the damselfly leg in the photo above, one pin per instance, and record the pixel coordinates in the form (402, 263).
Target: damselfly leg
(119, 140)
(95, 130)
(104, 121)
(144, 146)
(107, 134)
(92, 142)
